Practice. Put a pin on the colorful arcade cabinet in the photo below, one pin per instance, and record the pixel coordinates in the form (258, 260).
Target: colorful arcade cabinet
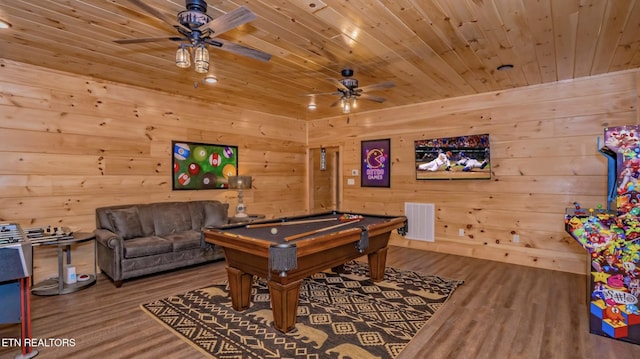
(612, 238)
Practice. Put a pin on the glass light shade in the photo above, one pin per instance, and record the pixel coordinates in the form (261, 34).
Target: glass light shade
(210, 79)
(183, 59)
(239, 182)
(201, 60)
(346, 106)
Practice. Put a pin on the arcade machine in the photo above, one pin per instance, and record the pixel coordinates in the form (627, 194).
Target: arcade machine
(15, 283)
(612, 238)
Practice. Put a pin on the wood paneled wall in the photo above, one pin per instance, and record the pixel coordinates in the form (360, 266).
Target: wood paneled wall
(70, 144)
(544, 157)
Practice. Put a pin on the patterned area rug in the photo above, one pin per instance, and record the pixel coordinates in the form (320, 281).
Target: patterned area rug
(339, 316)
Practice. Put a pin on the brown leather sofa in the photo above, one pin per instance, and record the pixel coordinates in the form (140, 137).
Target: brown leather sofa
(140, 239)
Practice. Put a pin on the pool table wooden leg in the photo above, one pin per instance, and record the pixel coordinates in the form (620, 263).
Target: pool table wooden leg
(240, 288)
(284, 304)
(377, 262)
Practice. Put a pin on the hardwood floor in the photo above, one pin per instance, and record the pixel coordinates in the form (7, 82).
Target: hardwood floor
(502, 311)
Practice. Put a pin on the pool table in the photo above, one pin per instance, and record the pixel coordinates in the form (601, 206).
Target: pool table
(286, 250)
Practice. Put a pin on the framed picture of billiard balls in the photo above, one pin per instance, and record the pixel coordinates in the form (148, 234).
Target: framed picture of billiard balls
(202, 165)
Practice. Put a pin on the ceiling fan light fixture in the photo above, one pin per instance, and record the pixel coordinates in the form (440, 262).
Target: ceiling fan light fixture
(210, 79)
(201, 59)
(312, 106)
(183, 59)
(346, 105)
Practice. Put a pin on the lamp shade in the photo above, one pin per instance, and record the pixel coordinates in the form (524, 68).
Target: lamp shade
(239, 182)
(201, 60)
(182, 58)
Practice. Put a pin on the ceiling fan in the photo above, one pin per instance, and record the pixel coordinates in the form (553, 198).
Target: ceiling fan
(349, 91)
(197, 30)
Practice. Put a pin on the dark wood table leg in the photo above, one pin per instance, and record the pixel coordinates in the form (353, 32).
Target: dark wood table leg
(284, 304)
(377, 263)
(240, 288)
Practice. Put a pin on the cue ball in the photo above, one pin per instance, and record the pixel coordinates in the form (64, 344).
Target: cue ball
(274, 230)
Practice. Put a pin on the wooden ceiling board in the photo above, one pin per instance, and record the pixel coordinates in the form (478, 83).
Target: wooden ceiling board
(430, 49)
(616, 16)
(629, 44)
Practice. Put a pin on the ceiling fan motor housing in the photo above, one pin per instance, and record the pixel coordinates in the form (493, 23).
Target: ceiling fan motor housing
(195, 15)
(346, 72)
(197, 5)
(349, 83)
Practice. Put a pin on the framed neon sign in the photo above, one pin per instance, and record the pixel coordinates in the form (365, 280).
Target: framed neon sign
(376, 163)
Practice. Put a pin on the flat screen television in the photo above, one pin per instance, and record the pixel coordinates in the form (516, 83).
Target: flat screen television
(452, 158)
(202, 165)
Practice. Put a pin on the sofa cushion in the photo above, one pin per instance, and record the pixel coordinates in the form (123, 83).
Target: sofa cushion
(146, 246)
(215, 214)
(126, 222)
(171, 217)
(145, 212)
(185, 240)
(196, 208)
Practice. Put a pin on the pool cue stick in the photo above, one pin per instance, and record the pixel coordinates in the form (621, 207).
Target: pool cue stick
(300, 235)
(274, 224)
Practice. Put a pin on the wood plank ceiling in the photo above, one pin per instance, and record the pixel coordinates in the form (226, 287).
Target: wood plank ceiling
(430, 49)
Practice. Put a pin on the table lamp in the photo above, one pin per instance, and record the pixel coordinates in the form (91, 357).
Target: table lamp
(240, 183)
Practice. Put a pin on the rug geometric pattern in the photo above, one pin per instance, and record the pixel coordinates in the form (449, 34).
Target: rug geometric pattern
(339, 315)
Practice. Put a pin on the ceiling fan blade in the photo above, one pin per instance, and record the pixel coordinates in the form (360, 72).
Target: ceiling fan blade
(339, 84)
(154, 12)
(380, 86)
(372, 98)
(228, 21)
(149, 39)
(325, 93)
(239, 49)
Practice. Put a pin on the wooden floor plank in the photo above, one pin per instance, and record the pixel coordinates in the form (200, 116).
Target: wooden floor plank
(501, 311)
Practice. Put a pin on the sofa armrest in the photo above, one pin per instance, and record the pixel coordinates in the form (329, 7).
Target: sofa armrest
(108, 239)
(109, 254)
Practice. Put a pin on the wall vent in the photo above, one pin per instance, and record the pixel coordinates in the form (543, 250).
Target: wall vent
(421, 218)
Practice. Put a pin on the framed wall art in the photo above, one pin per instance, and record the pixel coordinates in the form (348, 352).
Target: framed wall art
(202, 165)
(449, 158)
(376, 163)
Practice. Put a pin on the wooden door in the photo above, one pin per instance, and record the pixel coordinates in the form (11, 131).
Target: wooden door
(324, 179)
